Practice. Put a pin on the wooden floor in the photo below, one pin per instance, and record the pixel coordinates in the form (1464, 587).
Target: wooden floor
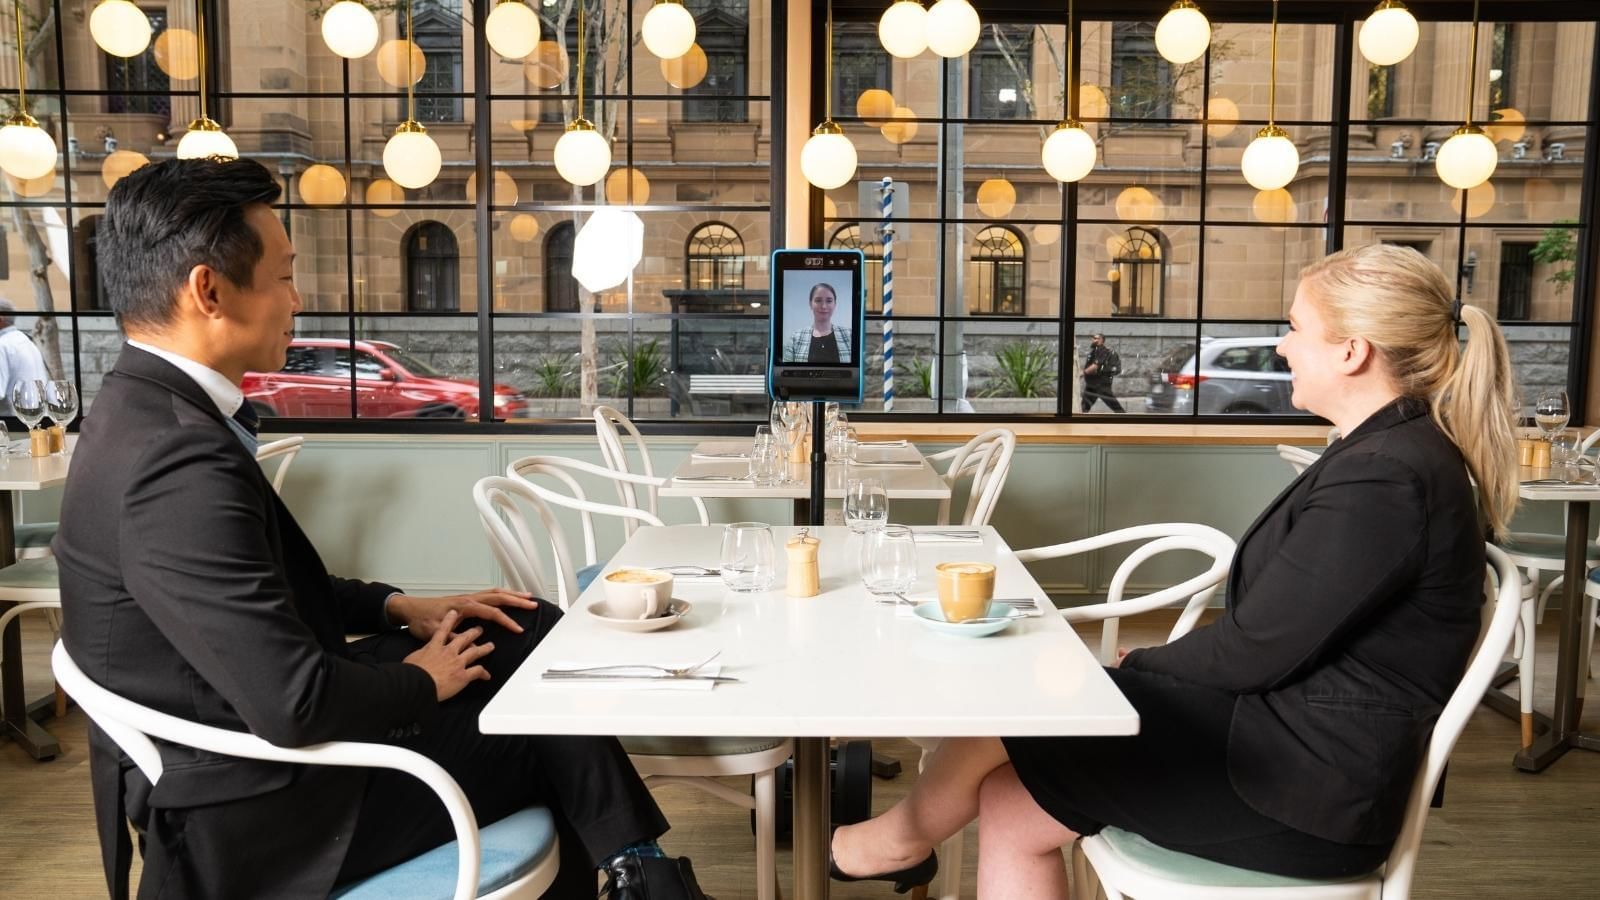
(1501, 833)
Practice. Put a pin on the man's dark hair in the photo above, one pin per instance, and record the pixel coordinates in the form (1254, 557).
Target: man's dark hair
(168, 217)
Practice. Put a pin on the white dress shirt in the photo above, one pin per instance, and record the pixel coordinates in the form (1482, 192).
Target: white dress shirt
(222, 391)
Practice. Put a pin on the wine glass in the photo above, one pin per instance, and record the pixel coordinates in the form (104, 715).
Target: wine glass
(61, 399)
(28, 401)
(1552, 412)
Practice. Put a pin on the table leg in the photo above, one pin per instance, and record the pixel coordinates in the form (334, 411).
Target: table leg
(1563, 734)
(811, 818)
(17, 725)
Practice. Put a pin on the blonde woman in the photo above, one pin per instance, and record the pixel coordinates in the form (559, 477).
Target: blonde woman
(823, 341)
(1283, 737)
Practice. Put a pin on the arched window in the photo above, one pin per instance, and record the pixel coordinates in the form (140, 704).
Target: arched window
(86, 266)
(1140, 270)
(560, 288)
(999, 273)
(433, 269)
(848, 237)
(715, 258)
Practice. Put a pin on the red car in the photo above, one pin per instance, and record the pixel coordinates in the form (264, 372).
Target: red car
(315, 384)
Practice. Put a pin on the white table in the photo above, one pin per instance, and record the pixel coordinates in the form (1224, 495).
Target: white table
(21, 473)
(1564, 733)
(834, 665)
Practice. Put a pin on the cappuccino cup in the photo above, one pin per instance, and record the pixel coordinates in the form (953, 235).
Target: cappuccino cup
(638, 593)
(965, 589)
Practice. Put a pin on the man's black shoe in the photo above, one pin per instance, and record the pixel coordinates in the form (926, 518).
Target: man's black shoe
(629, 877)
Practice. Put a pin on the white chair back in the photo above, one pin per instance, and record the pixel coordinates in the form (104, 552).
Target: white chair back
(514, 541)
(1299, 458)
(132, 726)
(1195, 593)
(283, 450)
(609, 424)
(986, 459)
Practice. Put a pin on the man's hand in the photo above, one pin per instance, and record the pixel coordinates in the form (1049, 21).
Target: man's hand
(1091, 368)
(425, 615)
(1122, 653)
(449, 658)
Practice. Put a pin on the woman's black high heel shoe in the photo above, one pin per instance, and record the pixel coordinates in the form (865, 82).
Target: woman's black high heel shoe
(909, 878)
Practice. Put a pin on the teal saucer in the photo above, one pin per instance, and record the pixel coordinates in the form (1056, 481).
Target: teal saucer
(930, 615)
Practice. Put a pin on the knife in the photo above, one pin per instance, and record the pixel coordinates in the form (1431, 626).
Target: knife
(590, 676)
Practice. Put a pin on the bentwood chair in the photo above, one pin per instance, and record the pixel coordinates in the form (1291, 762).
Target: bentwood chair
(1126, 864)
(1194, 594)
(986, 460)
(684, 761)
(1298, 458)
(609, 424)
(516, 857)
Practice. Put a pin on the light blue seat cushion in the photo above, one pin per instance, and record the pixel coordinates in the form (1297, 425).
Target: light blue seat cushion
(1548, 546)
(1185, 869)
(35, 534)
(512, 847)
(696, 746)
(587, 575)
(1594, 577)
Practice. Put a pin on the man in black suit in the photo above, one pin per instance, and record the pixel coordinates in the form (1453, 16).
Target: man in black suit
(188, 587)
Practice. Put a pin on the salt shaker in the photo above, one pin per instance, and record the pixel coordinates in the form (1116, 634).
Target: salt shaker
(802, 552)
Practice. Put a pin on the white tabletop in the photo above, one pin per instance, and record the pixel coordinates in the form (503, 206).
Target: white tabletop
(25, 473)
(834, 665)
(1566, 493)
(905, 482)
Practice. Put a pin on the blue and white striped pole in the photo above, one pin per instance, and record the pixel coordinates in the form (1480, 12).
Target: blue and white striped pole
(887, 232)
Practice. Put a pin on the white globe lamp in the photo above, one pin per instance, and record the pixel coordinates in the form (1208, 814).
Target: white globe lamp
(952, 28)
(411, 159)
(26, 150)
(512, 29)
(120, 28)
(1183, 33)
(1069, 152)
(668, 29)
(1271, 159)
(903, 29)
(206, 139)
(607, 248)
(582, 155)
(828, 159)
(349, 29)
(1467, 159)
(1389, 34)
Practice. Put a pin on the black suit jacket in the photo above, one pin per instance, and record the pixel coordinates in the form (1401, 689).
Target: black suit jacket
(1354, 603)
(187, 586)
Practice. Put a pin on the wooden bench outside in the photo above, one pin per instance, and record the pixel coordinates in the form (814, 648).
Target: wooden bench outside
(727, 384)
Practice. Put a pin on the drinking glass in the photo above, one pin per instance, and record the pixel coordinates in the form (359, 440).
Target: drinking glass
(1564, 453)
(28, 401)
(61, 399)
(749, 562)
(767, 462)
(1552, 412)
(866, 504)
(888, 560)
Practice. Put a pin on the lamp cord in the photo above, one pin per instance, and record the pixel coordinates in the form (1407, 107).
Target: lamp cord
(1066, 74)
(827, 80)
(411, 76)
(1272, 76)
(583, 23)
(22, 79)
(1472, 67)
(200, 50)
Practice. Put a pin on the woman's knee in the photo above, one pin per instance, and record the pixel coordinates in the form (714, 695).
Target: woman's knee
(1007, 811)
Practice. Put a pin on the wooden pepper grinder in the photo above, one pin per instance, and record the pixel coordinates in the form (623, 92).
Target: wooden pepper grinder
(58, 439)
(802, 580)
(38, 442)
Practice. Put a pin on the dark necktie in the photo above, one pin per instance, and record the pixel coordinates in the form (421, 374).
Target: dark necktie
(246, 416)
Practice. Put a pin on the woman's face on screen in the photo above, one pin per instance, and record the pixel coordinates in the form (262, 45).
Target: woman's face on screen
(822, 303)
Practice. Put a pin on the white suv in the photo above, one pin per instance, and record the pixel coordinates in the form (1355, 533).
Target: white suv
(1229, 376)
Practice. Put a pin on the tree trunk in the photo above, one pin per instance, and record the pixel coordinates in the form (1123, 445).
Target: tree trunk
(45, 332)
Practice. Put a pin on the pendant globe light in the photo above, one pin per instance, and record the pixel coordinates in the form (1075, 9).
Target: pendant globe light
(349, 29)
(828, 159)
(205, 138)
(1389, 34)
(1183, 33)
(953, 28)
(582, 155)
(411, 158)
(512, 29)
(903, 29)
(1271, 159)
(26, 150)
(1469, 157)
(120, 28)
(668, 29)
(1069, 151)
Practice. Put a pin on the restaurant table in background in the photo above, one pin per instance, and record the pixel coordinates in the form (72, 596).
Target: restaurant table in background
(22, 473)
(1564, 733)
(807, 668)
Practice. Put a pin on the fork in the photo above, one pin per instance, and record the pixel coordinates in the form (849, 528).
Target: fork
(689, 571)
(680, 672)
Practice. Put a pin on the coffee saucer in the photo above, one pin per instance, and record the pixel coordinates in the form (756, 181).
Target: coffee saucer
(930, 615)
(676, 609)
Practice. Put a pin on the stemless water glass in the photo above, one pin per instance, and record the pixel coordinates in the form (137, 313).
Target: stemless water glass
(866, 504)
(749, 561)
(61, 399)
(888, 560)
(28, 401)
(766, 461)
(1552, 412)
(1564, 453)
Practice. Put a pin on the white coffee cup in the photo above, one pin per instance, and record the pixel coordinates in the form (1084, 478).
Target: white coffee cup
(638, 593)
